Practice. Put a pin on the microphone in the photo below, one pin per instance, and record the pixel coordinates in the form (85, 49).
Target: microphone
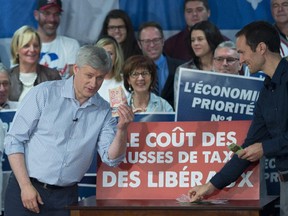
(75, 120)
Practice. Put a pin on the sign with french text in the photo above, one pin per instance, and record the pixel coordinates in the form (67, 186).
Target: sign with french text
(210, 96)
(165, 160)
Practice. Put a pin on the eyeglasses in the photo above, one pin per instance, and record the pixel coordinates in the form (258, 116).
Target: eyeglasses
(48, 14)
(155, 41)
(136, 74)
(114, 28)
(229, 60)
(5, 84)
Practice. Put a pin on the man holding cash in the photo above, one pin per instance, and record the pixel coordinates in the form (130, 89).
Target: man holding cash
(258, 44)
(55, 134)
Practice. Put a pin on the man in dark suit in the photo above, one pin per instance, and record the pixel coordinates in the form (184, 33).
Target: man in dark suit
(151, 42)
(178, 45)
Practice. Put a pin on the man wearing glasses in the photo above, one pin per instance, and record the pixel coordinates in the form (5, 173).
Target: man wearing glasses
(5, 90)
(279, 12)
(226, 59)
(151, 42)
(57, 51)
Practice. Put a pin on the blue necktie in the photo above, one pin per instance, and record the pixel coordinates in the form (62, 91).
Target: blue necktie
(155, 90)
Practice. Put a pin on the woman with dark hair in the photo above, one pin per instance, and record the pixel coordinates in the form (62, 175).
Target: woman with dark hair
(139, 74)
(204, 38)
(118, 24)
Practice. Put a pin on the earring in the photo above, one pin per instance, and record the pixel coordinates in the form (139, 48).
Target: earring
(130, 89)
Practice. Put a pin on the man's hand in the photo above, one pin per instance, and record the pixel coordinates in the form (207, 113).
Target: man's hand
(198, 193)
(30, 198)
(126, 116)
(252, 153)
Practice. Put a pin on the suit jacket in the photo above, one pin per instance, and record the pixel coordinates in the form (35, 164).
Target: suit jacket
(168, 90)
(178, 46)
(43, 74)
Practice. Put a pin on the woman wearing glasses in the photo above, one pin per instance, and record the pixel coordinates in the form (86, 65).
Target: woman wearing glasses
(139, 73)
(118, 25)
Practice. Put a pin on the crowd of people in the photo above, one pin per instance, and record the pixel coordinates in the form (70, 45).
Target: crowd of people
(53, 115)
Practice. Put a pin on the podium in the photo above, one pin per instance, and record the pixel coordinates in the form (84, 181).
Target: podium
(108, 207)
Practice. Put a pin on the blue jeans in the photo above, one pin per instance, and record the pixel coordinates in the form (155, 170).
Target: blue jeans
(55, 200)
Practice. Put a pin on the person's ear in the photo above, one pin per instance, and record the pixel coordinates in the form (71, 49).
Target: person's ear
(36, 15)
(209, 13)
(75, 69)
(139, 44)
(261, 47)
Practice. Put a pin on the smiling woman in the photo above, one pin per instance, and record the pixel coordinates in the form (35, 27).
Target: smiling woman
(25, 51)
(118, 25)
(140, 74)
(204, 38)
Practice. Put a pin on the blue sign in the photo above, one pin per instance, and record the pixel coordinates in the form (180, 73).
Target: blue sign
(209, 96)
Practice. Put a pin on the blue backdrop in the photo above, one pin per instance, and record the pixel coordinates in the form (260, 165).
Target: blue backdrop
(226, 14)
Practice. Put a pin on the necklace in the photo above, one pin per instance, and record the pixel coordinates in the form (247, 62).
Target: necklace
(137, 109)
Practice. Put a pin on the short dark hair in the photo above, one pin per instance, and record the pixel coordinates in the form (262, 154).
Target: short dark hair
(205, 3)
(137, 62)
(261, 31)
(150, 24)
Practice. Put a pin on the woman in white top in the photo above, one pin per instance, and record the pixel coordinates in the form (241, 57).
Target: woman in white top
(25, 51)
(114, 78)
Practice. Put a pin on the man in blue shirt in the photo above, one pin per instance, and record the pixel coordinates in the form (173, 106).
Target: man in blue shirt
(55, 134)
(258, 44)
(151, 42)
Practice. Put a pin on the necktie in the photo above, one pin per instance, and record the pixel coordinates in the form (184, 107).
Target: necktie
(155, 90)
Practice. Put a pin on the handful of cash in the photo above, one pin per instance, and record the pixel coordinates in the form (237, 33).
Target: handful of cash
(117, 96)
(235, 148)
(184, 199)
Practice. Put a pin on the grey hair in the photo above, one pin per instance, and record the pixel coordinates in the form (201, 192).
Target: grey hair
(95, 57)
(3, 68)
(227, 44)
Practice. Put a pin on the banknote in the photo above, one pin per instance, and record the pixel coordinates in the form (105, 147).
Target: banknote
(117, 96)
(184, 199)
(235, 148)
